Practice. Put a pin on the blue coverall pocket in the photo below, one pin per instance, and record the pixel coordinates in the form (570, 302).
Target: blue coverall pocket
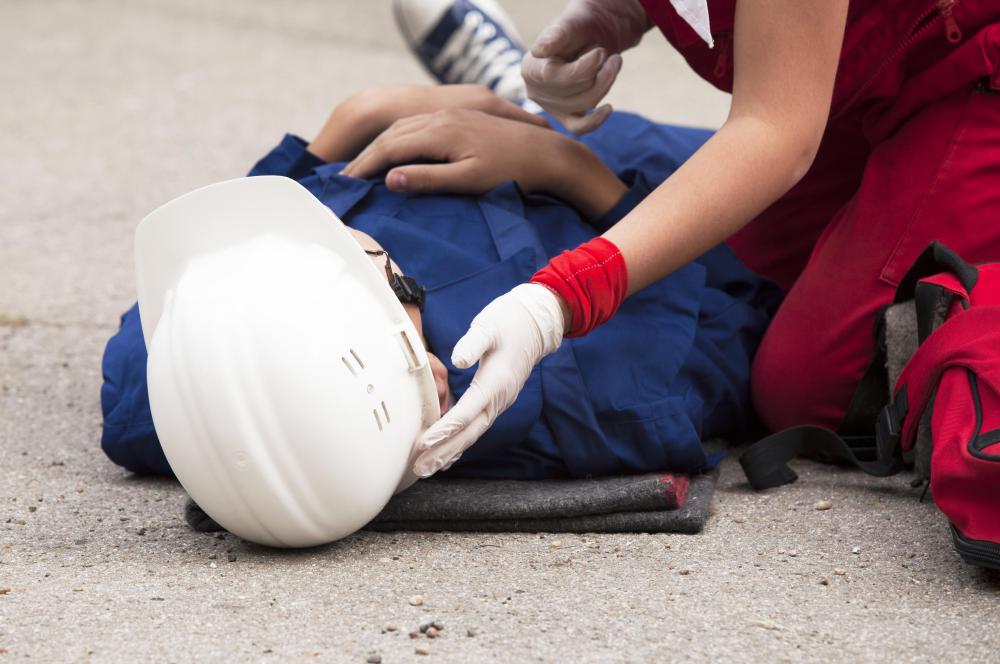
(657, 436)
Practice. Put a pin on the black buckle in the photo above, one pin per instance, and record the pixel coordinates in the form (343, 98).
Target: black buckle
(407, 290)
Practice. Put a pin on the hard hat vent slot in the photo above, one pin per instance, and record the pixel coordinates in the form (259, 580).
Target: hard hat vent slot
(411, 355)
(384, 416)
(347, 362)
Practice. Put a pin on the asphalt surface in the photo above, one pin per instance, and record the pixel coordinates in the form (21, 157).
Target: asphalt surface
(111, 108)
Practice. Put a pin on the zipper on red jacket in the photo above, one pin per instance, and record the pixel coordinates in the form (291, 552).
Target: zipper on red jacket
(951, 30)
(941, 8)
(724, 42)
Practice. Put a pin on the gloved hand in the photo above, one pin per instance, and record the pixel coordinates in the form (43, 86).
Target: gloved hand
(575, 60)
(508, 338)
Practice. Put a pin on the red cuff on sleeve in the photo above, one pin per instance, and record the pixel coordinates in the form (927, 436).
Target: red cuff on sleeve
(592, 279)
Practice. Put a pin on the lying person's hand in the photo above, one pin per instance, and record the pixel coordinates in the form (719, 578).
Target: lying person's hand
(356, 122)
(478, 152)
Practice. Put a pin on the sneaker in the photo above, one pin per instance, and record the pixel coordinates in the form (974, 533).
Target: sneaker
(465, 41)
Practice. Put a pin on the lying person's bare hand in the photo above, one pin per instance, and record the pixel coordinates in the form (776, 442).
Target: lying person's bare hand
(477, 152)
(480, 152)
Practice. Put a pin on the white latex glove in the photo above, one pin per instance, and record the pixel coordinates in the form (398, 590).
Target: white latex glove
(576, 59)
(508, 338)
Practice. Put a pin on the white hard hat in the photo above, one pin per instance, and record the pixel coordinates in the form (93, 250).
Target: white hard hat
(286, 382)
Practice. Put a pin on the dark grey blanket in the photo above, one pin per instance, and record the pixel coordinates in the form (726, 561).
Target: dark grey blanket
(638, 503)
(655, 503)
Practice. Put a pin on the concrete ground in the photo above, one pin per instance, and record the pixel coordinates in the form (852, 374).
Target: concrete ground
(111, 108)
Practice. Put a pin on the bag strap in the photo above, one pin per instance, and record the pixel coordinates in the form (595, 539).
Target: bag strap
(766, 462)
(933, 260)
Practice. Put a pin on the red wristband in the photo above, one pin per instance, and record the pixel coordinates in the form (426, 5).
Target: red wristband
(592, 279)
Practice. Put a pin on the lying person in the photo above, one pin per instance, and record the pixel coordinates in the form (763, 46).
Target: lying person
(639, 394)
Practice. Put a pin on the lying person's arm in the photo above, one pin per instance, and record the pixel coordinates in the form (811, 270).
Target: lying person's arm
(480, 152)
(494, 140)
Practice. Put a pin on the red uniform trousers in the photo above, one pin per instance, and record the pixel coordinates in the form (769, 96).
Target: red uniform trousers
(911, 154)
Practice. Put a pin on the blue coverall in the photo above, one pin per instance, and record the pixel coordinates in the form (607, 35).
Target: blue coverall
(639, 394)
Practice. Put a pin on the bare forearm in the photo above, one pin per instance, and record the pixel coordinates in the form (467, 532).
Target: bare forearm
(738, 173)
(785, 61)
(577, 176)
(350, 127)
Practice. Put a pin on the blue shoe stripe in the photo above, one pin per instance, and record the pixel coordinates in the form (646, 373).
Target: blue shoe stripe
(450, 22)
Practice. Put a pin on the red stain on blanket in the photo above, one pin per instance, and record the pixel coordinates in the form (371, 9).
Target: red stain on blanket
(674, 489)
